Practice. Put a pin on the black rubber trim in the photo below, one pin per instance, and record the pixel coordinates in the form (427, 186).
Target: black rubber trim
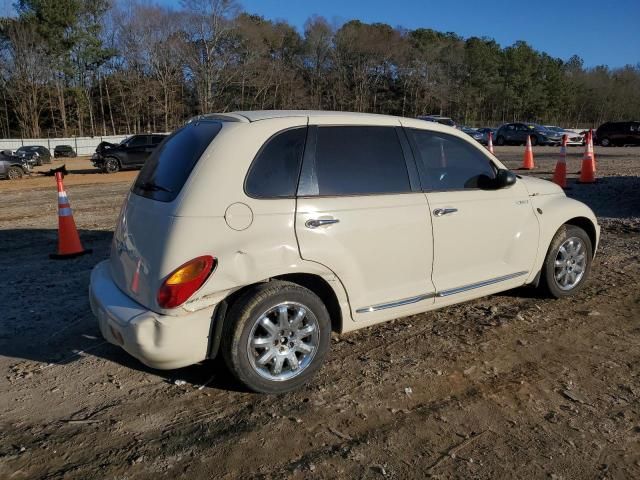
(308, 182)
(412, 169)
(215, 331)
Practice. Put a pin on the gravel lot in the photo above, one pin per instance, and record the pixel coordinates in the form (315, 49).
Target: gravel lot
(509, 386)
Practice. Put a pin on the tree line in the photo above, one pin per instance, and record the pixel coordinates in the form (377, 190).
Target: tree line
(98, 67)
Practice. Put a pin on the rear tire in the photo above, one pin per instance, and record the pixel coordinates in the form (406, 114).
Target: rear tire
(568, 263)
(534, 140)
(276, 337)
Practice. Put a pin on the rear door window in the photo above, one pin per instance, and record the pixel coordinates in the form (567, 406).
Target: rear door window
(168, 167)
(359, 160)
(275, 170)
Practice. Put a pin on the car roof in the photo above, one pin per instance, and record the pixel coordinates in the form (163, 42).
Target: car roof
(258, 115)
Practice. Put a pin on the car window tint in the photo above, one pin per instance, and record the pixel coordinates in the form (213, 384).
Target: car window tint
(137, 141)
(274, 172)
(360, 161)
(155, 140)
(449, 163)
(167, 169)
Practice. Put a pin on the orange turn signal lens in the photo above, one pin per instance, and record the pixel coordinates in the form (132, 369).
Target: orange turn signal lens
(184, 281)
(189, 272)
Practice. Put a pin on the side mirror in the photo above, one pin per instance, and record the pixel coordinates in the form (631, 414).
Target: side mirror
(505, 178)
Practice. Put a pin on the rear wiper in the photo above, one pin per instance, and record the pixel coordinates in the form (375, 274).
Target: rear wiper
(152, 187)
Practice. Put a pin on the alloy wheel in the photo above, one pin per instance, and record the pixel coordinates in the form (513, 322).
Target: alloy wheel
(570, 263)
(283, 341)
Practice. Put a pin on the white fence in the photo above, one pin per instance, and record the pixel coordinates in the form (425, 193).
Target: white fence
(81, 145)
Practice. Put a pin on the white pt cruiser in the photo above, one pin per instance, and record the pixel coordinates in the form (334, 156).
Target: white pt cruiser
(257, 234)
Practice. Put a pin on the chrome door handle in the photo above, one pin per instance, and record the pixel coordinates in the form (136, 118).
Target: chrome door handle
(319, 222)
(439, 212)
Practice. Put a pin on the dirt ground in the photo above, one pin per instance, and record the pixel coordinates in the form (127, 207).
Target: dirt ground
(509, 386)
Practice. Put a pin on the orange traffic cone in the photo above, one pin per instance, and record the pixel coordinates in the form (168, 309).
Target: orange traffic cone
(527, 161)
(490, 143)
(560, 173)
(69, 245)
(588, 170)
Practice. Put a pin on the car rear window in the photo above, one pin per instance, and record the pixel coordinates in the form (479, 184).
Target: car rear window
(167, 169)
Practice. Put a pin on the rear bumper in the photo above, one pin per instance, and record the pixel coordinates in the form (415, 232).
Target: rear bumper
(159, 341)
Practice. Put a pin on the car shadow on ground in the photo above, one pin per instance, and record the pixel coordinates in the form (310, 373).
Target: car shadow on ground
(46, 314)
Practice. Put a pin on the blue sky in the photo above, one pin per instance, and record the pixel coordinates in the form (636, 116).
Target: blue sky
(601, 32)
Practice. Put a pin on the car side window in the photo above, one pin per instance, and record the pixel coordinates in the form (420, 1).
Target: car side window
(155, 140)
(359, 160)
(446, 162)
(274, 172)
(137, 141)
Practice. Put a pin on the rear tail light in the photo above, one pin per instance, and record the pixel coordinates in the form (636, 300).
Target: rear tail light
(184, 281)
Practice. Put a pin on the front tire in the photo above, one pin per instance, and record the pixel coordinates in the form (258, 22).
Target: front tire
(14, 173)
(111, 165)
(500, 140)
(568, 263)
(534, 140)
(605, 142)
(276, 337)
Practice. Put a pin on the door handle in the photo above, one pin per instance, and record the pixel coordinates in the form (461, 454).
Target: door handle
(439, 212)
(319, 222)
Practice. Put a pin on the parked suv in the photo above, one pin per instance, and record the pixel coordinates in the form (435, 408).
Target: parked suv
(618, 133)
(130, 153)
(34, 154)
(64, 151)
(256, 234)
(517, 133)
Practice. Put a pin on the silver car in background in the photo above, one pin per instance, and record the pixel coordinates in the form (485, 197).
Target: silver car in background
(573, 138)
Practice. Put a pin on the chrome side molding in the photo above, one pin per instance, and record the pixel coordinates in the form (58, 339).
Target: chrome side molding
(443, 293)
(473, 286)
(397, 303)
